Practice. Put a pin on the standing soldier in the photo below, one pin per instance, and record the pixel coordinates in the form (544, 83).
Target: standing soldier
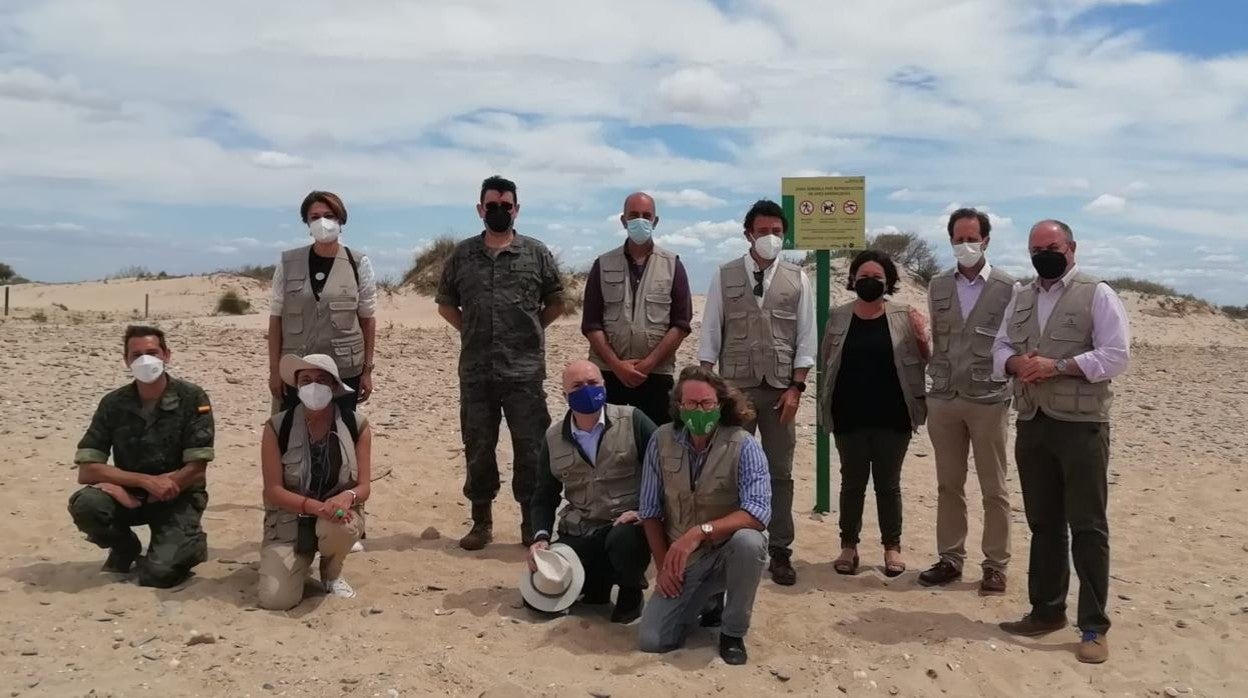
(500, 290)
(159, 431)
(967, 409)
(759, 326)
(637, 312)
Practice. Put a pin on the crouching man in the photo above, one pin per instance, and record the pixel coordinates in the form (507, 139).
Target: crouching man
(705, 502)
(159, 430)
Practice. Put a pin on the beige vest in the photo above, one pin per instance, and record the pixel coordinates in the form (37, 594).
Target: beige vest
(597, 493)
(716, 492)
(1067, 334)
(759, 343)
(906, 357)
(328, 326)
(281, 526)
(635, 325)
(961, 364)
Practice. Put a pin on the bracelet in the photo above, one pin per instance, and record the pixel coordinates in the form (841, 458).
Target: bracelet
(303, 507)
(354, 497)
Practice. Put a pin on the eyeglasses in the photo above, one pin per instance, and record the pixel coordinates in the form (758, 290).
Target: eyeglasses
(705, 405)
(505, 205)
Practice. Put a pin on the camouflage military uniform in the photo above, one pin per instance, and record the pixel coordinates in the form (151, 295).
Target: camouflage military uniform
(502, 360)
(176, 431)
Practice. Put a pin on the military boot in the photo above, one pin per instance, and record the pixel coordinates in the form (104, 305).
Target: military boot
(482, 532)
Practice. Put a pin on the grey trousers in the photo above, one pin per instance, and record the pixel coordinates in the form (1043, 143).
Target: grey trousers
(735, 567)
(778, 442)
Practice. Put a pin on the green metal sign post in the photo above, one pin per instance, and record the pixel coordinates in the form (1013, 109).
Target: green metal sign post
(824, 214)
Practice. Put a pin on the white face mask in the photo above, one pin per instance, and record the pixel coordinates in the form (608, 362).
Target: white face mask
(147, 368)
(324, 230)
(315, 396)
(968, 254)
(768, 246)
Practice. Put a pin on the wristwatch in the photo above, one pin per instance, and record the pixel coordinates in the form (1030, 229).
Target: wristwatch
(1060, 365)
(707, 529)
(801, 387)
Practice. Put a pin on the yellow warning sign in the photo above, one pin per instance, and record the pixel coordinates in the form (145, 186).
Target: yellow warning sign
(825, 213)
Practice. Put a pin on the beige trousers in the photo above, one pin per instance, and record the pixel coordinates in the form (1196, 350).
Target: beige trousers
(958, 428)
(282, 571)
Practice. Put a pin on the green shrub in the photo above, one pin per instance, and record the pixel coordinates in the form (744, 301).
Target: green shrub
(427, 267)
(254, 271)
(132, 272)
(39, 316)
(230, 303)
(1144, 286)
(1239, 312)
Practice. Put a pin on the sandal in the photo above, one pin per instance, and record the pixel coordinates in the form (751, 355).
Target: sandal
(894, 567)
(843, 565)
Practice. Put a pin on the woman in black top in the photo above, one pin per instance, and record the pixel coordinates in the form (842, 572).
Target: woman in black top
(873, 354)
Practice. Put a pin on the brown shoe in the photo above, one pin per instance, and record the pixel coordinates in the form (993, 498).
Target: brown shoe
(1093, 648)
(1030, 626)
(482, 533)
(940, 574)
(993, 583)
(781, 568)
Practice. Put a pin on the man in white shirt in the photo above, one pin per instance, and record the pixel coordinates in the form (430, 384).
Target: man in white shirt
(759, 326)
(1065, 337)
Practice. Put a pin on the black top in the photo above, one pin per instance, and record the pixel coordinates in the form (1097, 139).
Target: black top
(319, 267)
(326, 461)
(867, 393)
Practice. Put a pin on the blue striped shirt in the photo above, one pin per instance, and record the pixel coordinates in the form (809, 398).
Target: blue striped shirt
(753, 478)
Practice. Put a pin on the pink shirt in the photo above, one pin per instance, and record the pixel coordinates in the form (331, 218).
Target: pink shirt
(969, 291)
(1111, 331)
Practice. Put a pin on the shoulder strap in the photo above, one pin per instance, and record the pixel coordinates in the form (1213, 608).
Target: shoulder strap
(355, 267)
(353, 426)
(283, 434)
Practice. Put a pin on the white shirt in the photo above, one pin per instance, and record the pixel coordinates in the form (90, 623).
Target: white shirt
(712, 338)
(368, 289)
(969, 290)
(1111, 331)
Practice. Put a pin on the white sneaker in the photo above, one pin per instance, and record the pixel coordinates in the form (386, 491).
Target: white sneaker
(339, 588)
(358, 547)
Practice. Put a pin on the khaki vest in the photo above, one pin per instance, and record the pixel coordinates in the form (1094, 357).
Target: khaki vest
(597, 493)
(281, 526)
(961, 364)
(328, 326)
(635, 325)
(759, 343)
(906, 357)
(716, 493)
(1067, 334)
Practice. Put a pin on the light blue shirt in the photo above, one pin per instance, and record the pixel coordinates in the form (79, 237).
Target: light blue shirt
(589, 440)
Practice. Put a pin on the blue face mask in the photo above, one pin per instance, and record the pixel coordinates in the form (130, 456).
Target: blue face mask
(639, 230)
(587, 399)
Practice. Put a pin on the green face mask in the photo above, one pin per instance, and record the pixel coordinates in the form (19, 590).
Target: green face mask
(700, 422)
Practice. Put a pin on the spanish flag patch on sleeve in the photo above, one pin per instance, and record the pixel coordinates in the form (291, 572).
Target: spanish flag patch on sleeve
(205, 409)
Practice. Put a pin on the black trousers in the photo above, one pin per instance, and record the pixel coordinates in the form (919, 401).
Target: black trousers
(877, 455)
(611, 556)
(1063, 467)
(290, 396)
(653, 397)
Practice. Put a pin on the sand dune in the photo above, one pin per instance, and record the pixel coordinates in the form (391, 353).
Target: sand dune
(431, 619)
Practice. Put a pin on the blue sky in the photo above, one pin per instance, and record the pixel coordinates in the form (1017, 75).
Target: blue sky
(134, 133)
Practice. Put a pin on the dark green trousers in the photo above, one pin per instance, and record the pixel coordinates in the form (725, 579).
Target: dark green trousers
(482, 404)
(1062, 467)
(178, 541)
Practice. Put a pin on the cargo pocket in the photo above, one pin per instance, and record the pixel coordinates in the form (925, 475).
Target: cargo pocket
(343, 315)
(737, 325)
(940, 373)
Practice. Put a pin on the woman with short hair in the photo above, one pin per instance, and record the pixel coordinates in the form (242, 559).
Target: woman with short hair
(324, 302)
(316, 464)
(872, 400)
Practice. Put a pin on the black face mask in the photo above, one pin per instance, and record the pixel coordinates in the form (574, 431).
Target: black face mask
(869, 289)
(1049, 264)
(497, 219)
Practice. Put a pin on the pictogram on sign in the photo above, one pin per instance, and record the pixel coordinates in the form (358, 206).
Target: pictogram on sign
(807, 208)
(850, 207)
(829, 208)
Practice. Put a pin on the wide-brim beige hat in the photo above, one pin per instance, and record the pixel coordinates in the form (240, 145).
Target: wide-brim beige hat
(557, 582)
(292, 364)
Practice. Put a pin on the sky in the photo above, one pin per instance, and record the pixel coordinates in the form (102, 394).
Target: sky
(168, 137)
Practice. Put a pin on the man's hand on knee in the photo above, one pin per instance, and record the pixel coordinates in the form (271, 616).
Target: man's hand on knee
(120, 494)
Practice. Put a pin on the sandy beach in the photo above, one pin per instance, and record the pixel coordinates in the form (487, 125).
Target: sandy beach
(431, 619)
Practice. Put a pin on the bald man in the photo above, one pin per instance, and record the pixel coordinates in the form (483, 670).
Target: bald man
(592, 457)
(636, 313)
(1065, 337)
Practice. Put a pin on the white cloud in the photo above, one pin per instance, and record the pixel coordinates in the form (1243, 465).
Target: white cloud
(274, 160)
(901, 195)
(1106, 204)
(703, 91)
(679, 240)
(687, 198)
(1221, 259)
